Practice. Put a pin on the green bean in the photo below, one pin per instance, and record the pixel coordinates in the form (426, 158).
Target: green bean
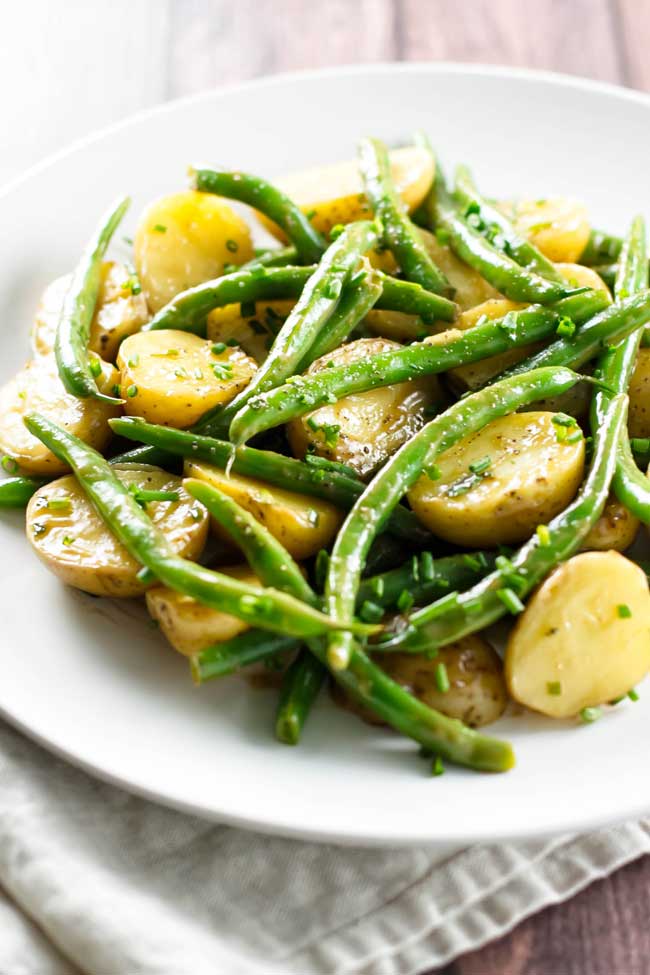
(458, 614)
(73, 330)
(302, 394)
(602, 248)
(399, 234)
(130, 524)
(302, 477)
(615, 367)
(425, 578)
(499, 230)
(614, 323)
(229, 656)
(188, 311)
(357, 299)
(301, 686)
(402, 471)
(266, 198)
(15, 492)
(515, 282)
(366, 682)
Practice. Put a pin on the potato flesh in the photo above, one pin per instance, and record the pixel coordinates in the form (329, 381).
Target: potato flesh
(571, 648)
(75, 544)
(255, 332)
(615, 529)
(638, 419)
(189, 625)
(302, 524)
(38, 389)
(531, 478)
(372, 425)
(558, 226)
(334, 194)
(184, 239)
(173, 377)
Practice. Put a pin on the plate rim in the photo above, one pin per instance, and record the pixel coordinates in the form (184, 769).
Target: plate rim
(353, 837)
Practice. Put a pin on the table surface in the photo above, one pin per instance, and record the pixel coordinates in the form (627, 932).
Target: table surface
(133, 53)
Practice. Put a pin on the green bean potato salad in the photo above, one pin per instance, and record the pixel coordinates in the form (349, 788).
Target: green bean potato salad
(335, 461)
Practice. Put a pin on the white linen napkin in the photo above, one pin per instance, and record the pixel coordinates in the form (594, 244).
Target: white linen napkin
(99, 882)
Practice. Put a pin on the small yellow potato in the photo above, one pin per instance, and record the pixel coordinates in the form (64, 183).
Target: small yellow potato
(38, 389)
(334, 194)
(189, 625)
(255, 331)
(364, 429)
(531, 477)
(615, 529)
(119, 312)
(475, 375)
(304, 525)
(72, 540)
(558, 226)
(184, 239)
(638, 417)
(469, 286)
(174, 377)
(584, 637)
(580, 276)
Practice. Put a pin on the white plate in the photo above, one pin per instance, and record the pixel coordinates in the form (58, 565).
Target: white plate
(92, 682)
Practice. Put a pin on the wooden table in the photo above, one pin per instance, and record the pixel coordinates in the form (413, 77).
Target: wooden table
(157, 49)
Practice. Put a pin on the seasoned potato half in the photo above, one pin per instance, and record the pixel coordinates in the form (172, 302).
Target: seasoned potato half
(477, 692)
(497, 485)
(71, 539)
(558, 226)
(364, 429)
(334, 194)
(119, 312)
(184, 239)
(253, 328)
(615, 529)
(38, 389)
(175, 377)
(583, 637)
(638, 418)
(189, 625)
(303, 524)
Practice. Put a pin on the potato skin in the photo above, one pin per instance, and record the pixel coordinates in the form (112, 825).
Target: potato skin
(254, 332)
(477, 694)
(558, 226)
(531, 478)
(184, 239)
(189, 625)
(571, 634)
(38, 389)
(303, 524)
(169, 377)
(334, 194)
(615, 529)
(118, 312)
(372, 425)
(638, 418)
(76, 545)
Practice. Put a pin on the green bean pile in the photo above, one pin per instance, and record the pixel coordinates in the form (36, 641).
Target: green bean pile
(417, 413)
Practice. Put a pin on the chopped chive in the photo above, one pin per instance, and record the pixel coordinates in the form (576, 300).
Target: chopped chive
(59, 504)
(563, 420)
(633, 695)
(222, 370)
(9, 464)
(427, 566)
(544, 535)
(133, 361)
(160, 228)
(624, 611)
(404, 601)
(132, 391)
(437, 767)
(433, 472)
(336, 231)
(95, 367)
(565, 327)
(377, 586)
(415, 568)
(554, 688)
(371, 612)
(480, 466)
(472, 562)
(143, 496)
(311, 214)
(510, 600)
(218, 348)
(68, 539)
(442, 678)
(442, 235)
(589, 715)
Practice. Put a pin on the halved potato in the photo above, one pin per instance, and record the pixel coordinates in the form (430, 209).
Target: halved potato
(334, 194)
(477, 692)
(615, 529)
(184, 239)
(530, 478)
(558, 226)
(72, 540)
(119, 312)
(584, 637)
(638, 417)
(304, 525)
(364, 429)
(174, 377)
(189, 625)
(38, 389)
(255, 331)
